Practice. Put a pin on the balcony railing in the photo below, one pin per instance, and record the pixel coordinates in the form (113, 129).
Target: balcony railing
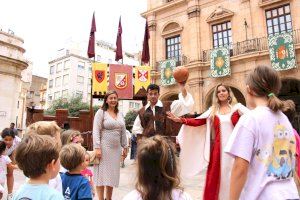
(183, 61)
(248, 46)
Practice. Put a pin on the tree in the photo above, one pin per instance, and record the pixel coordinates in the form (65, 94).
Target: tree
(129, 118)
(74, 104)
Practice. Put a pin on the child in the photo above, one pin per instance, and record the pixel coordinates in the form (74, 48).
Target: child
(86, 172)
(71, 136)
(75, 186)
(37, 156)
(263, 143)
(50, 129)
(5, 163)
(157, 174)
(12, 141)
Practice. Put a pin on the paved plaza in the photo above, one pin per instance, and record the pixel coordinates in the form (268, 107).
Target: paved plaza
(193, 186)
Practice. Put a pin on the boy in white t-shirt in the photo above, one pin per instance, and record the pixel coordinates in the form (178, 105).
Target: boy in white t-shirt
(263, 144)
(5, 162)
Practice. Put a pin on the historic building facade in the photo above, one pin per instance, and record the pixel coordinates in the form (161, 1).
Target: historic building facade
(12, 62)
(189, 29)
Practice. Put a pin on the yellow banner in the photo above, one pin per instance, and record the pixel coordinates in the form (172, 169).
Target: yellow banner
(99, 78)
(142, 78)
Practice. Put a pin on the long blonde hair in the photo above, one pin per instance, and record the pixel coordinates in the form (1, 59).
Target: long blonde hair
(215, 101)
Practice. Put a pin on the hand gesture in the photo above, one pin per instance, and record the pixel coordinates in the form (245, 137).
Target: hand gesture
(98, 153)
(173, 117)
(182, 89)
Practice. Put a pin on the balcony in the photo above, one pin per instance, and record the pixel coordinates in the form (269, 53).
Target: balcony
(183, 61)
(248, 46)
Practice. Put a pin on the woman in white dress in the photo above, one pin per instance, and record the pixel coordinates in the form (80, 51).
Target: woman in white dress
(157, 172)
(109, 136)
(203, 146)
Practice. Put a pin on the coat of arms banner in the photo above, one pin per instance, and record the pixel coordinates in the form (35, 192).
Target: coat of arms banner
(99, 78)
(220, 62)
(142, 78)
(282, 51)
(120, 80)
(167, 67)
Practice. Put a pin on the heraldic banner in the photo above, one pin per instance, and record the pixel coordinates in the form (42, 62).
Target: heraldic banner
(167, 67)
(220, 62)
(142, 78)
(99, 78)
(120, 80)
(282, 51)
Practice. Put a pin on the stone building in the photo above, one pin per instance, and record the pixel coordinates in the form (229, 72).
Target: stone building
(12, 62)
(189, 29)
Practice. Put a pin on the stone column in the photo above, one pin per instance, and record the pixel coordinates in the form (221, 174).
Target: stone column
(196, 89)
(193, 27)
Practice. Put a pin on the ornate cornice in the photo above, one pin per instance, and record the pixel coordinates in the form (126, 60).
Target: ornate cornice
(165, 6)
(193, 11)
(219, 14)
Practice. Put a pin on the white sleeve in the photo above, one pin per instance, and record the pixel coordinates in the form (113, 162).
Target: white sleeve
(97, 126)
(182, 106)
(242, 109)
(56, 183)
(137, 127)
(7, 160)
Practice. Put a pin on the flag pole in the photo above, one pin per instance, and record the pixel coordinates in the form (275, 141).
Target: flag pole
(91, 98)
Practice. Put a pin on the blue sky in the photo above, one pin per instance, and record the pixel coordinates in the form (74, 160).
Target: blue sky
(46, 26)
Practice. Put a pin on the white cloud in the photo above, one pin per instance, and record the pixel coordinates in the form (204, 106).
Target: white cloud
(46, 26)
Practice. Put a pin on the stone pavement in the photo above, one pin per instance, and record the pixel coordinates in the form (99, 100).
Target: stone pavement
(193, 186)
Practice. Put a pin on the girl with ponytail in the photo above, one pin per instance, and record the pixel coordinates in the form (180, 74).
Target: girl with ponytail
(263, 143)
(157, 172)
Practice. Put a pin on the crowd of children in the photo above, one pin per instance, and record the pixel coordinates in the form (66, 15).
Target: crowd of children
(263, 143)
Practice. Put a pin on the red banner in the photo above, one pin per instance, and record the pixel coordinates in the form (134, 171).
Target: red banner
(120, 80)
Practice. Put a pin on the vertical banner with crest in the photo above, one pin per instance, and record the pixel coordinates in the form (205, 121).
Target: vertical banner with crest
(142, 78)
(220, 62)
(99, 78)
(282, 51)
(120, 80)
(167, 67)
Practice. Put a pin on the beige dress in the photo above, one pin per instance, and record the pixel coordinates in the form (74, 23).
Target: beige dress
(110, 138)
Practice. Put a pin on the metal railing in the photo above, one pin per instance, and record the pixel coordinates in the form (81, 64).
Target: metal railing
(248, 46)
(183, 61)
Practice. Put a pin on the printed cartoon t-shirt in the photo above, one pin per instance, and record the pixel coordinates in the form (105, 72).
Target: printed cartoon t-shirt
(266, 140)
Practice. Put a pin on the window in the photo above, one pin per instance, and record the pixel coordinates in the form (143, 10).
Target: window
(58, 82)
(279, 20)
(136, 106)
(98, 57)
(30, 94)
(67, 64)
(81, 65)
(173, 48)
(222, 34)
(65, 79)
(131, 104)
(65, 93)
(58, 67)
(50, 97)
(56, 95)
(80, 79)
(79, 93)
(51, 69)
(50, 83)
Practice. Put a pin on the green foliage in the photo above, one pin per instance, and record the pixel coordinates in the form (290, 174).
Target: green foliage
(74, 104)
(129, 118)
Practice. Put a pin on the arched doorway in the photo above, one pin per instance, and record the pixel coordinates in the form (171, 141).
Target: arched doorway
(291, 90)
(238, 95)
